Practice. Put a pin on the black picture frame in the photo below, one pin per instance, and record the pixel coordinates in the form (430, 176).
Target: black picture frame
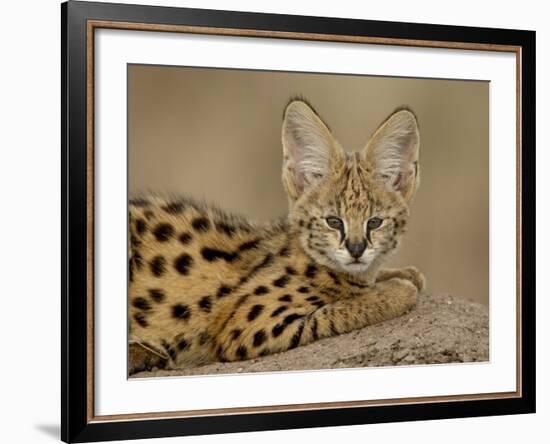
(76, 423)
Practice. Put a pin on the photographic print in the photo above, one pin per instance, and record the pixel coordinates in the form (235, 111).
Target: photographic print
(275, 221)
(295, 221)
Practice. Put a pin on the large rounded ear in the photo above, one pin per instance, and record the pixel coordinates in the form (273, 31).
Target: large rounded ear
(310, 153)
(392, 153)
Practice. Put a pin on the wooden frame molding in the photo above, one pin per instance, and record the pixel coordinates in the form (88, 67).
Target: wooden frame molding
(92, 25)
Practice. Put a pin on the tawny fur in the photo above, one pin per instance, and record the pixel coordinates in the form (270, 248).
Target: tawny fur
(208, 286)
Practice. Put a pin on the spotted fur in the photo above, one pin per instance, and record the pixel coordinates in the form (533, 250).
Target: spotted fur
(209, 286)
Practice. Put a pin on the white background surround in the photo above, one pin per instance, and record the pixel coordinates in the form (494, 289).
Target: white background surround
(30, 187)
(115, 394)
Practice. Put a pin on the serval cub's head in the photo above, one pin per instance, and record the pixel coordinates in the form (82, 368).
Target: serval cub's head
(349, 209)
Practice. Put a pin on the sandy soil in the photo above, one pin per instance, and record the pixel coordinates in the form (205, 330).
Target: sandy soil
(440, 329)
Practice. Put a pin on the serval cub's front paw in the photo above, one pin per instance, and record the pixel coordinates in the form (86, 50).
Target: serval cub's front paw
(401, 294)
(412, 274)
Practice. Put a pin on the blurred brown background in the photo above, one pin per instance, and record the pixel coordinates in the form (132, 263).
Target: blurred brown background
(216, 134)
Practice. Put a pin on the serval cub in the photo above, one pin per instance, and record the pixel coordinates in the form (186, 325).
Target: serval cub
(208, 286)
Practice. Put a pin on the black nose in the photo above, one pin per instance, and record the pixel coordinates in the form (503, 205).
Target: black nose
(356, 249)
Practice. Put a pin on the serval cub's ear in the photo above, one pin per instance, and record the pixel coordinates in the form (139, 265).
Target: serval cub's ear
(309, 150)
(392, 153)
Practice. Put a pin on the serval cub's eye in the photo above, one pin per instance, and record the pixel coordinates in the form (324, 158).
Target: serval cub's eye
(374, 223)
(335, 222)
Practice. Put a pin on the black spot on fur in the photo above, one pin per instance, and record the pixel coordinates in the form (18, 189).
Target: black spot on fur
(157, 295)
(138, 260)
(185, 238)
(334, 278)
(318, 304)
(201, 224)
(242, 300)
(205, 304)
(286, 298)
(262, 289)
(295, 340)
(303, 290)
(135, 242)
(235, 333)
(224, 290)
(282, 281)
(221, 354)
(242, 352)
(330, 291)
(148, 214)
(245, 227)
(141, 226)
(311, 271)
(255, 312)
(333, 330)
(169, 349)
(314, 332)
(264, 352)
(139, 202)
(291, 318)
(141, 304)
(204, 337)
(290, 271)
(173, 207)
(279, 310)
(312, 298)
(163, 232)
(213, 254)
(259, 338)
(357, 284)
(278, 330)
(183, 263)
(249, 245)
(228, 230)
(158, 266)
(181, 311)
(285, 251)
(266, 262)
(182, 344)
(141, 319)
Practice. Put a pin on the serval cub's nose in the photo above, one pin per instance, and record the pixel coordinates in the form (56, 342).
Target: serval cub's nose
(356, 249)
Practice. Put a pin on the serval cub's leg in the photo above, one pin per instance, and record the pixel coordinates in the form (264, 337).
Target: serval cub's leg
(301, 325)
(409, 273)
(381, 302)
(141, 358)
